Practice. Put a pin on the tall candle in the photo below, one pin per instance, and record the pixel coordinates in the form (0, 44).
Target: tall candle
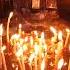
(3, 57)
(10, 16)
(67, 37)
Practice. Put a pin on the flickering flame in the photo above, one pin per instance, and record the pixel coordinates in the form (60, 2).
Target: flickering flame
(60, 63)
(31, 40)
(25, 47)
(53, 30)
(36, 33)
(42, 35)
(10, 15)
(26, 39)
(1, 27)
(67, 30)
(36, 47)
(43, 65)
(19, 52)
(20, 26)
(32, 56)
(60, 35)
(3, 48)
(69, 47)
(15, 36)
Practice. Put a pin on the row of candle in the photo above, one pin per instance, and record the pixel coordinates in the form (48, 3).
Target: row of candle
(37, 46)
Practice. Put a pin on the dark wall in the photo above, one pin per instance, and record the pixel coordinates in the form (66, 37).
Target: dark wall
(5, 7)
(64, 8)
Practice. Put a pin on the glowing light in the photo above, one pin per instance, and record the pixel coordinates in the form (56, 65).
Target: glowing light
(32, 56)
(19, 52)
(60, 35)
(15, 36)
(20, 26)
(53, 30)
(31, 40)
(43, 65)
(10, 15)
(67, 30)
(3, 48)
(42, 35)
(60, 63)
(1, 27)
(36, 47)
(36, 33)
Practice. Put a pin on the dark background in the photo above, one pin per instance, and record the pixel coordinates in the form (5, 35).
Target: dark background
(7, 5)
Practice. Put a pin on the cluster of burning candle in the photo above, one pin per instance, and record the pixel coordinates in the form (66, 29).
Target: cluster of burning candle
(36, 45)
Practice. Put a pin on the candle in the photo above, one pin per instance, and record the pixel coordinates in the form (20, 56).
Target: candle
(69, 65)
(19, 55)
(58, 51)
(10, 16)
(60, 64)
(43, 64)
(19, 30)
(67, 37)
(54, 31)
(2, 48)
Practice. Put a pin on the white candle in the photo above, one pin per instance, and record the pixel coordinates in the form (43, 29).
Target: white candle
(10, 16)
(60, 64)
(19, 30)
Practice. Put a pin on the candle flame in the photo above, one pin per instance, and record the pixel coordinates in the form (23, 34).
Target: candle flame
(42, 35)
(1, 27)
(36, 33)
(53, 30)
(20, 25)
(67, 30)
(15, 36)
(43, 65)
(10, 15)
(32, 56)
(3, 48)
(60, 63)
(19, 52)
(60, 35)
(36, 47)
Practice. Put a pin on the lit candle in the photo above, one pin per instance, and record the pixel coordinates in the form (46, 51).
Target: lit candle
(60, 64)
(67, 37)
(54, 31)
(2, 48)
(10, 16)
(43, 64)
(19, 55)
(19, 30)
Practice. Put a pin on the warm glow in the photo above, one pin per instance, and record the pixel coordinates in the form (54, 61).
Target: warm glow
(3, 48)
(32, 56)
(43, 65)
(1, 29)
(15, 36)
(36, 33)
(10, 15)
(19, 52)
(20, 26)
(67, 30)
(36, 48)
(60, 63)
(60, 36)
(53, 30)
